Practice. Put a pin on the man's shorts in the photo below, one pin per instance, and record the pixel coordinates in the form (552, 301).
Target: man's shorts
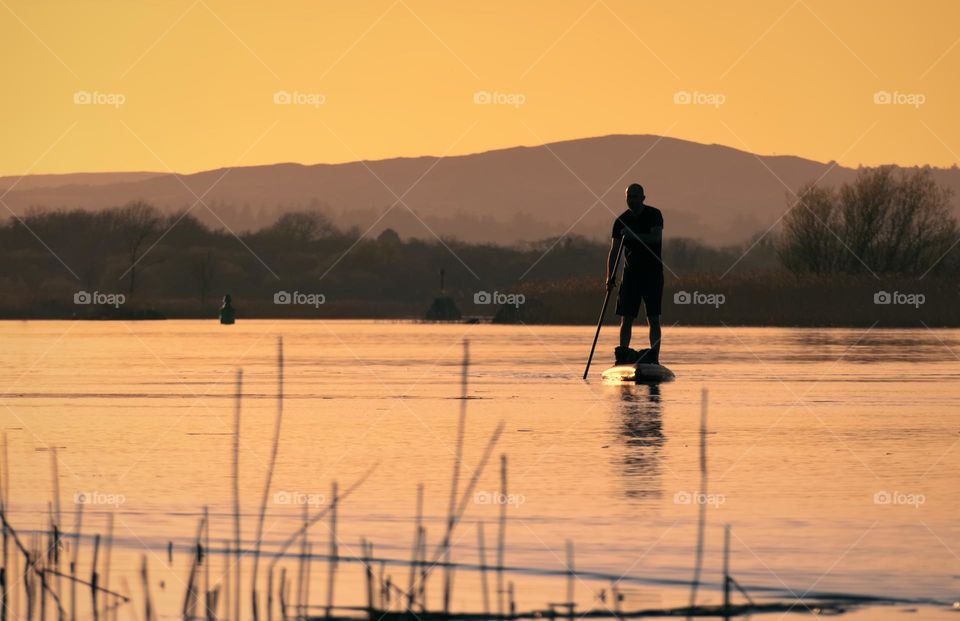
(640, 288)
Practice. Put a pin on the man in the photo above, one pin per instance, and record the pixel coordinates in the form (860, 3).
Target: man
(640, 230)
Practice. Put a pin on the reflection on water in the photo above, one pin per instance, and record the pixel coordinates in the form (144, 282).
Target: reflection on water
(808, 428)
(641, 428)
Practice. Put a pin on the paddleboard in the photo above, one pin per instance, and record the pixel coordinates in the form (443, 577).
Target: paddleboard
(640, 372)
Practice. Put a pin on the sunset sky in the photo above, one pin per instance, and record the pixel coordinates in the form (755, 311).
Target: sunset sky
(188, 85)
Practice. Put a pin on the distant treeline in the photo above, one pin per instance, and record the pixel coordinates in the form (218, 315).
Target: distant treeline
(471, 227)
(831, 252)
(179, 267)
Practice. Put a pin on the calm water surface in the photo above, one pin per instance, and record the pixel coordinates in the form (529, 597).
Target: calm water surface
(831, 453)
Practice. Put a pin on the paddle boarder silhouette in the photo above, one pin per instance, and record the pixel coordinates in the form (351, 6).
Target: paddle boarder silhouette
(639, 230)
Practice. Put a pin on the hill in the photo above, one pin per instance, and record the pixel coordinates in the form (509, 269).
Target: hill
(715, 193)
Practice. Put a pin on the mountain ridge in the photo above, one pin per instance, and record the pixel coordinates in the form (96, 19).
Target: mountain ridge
(513, 194)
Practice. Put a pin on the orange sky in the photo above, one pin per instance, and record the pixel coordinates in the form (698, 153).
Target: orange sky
(190, 84)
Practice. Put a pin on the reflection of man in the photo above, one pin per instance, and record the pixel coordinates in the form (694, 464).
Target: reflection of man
(640, 230)
(641, 431)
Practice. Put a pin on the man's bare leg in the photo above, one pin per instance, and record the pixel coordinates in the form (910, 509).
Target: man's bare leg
(626, 331)
(655, 333)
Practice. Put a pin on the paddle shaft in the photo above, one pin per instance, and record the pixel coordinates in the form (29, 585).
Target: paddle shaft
(603, 310)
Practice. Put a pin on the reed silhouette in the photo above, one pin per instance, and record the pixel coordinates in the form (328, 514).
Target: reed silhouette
(44, 589)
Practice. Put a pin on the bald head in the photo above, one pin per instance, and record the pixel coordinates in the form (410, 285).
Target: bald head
(635, 195)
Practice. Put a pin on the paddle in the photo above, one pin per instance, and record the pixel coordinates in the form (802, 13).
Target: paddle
(603, 310)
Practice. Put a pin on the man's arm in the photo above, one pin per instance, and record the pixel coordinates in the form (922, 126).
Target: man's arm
(611, 261)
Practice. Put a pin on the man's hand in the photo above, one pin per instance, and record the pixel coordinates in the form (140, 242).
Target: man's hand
(612, 258)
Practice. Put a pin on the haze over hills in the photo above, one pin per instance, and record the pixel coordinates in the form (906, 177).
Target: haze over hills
(57, 180)
(711, 192)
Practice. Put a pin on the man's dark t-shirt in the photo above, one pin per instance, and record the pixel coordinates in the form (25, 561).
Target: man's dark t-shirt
(640, 259)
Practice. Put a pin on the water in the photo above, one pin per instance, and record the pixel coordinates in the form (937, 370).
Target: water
(831, 453)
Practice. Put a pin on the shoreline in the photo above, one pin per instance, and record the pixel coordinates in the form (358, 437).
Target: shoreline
(490, 320)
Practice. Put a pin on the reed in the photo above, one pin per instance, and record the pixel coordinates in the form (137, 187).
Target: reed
(702, 507)
(191, 597)
(368, 573)
(95, 576)
(148, 614)
(332, 566)
(108, 556)
(274, 450)
(226, 582)
(236, 494)
(41, 577)
(457, 461)
(571, 581)
(415, 551)
(4, 576)
(54, 545)
(302, 560)
(74, 559)
(501, 534)
(283, 593)
(209, 595)
(482, 555)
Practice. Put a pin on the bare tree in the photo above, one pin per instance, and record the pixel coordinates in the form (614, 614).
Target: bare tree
(885, 221)
(302, 227)
(137, 225)
(808, 242)
(204, 270)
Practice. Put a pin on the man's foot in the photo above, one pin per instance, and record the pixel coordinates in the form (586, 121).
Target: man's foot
(625, 355)
(648, 356)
